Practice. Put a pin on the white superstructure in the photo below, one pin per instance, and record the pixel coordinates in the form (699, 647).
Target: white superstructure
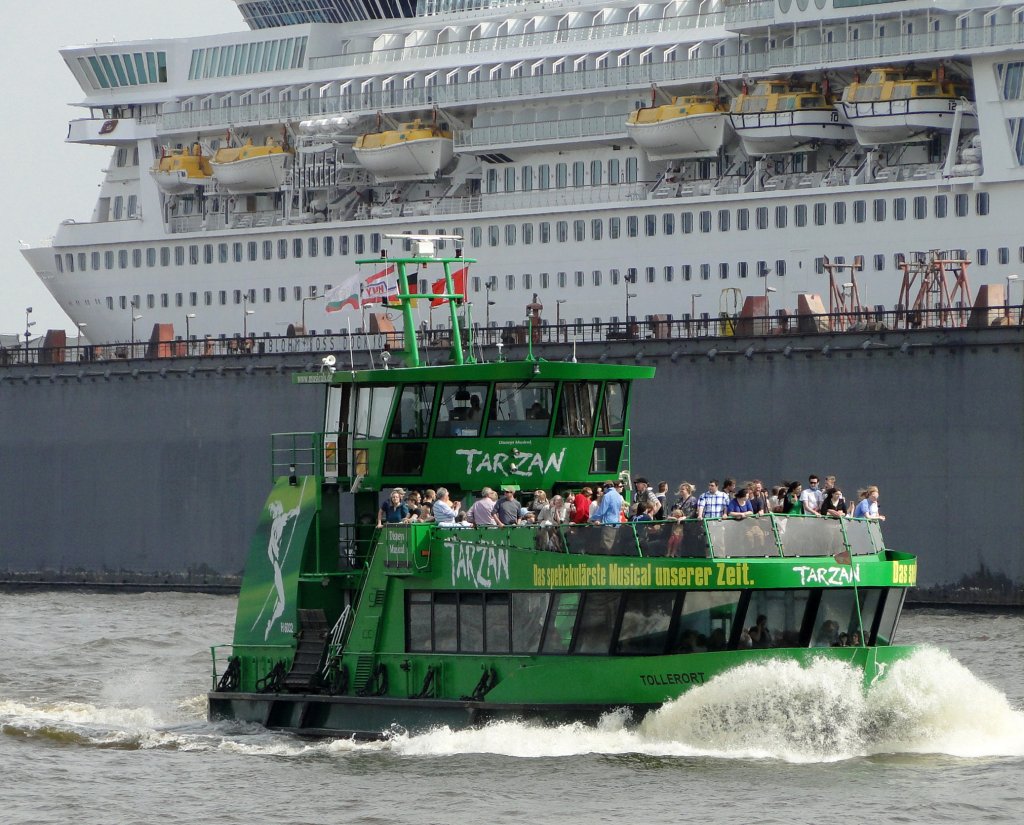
(543, 182)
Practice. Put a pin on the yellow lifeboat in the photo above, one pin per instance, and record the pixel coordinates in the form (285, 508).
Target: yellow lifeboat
(414, 151)
(251, 168)
(897, 106)
(779, 117)
(182, 170)
(690, 126)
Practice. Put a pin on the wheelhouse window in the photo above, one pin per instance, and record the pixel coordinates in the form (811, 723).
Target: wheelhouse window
(576, 412)
(612, 417)
(412, 415)
(460, 409)
(373, 406)
(521, 409)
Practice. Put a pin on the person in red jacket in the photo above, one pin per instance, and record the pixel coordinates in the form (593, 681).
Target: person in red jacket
(581, 506)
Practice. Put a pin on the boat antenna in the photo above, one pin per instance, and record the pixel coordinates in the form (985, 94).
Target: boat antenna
(574, 339)
(351, 354)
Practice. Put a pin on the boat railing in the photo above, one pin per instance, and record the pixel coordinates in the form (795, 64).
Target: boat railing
(308, 454)
(699, 69)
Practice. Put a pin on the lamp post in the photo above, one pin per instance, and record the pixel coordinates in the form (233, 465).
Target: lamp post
(134, 319)
(28, 325)
(693, 309)
(309, 298)
(1007, 296)
(487, 312)
(188, 336)
(767, 311)
(78, 344)
(246, 312)
(558, 317)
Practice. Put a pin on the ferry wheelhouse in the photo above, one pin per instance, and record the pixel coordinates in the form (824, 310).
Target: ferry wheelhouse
(344, 628)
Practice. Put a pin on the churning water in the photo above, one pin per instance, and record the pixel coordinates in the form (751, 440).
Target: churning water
(102, 719)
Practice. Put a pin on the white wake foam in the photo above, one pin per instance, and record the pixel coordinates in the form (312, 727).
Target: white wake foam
(929, 703)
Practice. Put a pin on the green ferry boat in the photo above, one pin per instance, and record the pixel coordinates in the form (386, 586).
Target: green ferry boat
(348, 629)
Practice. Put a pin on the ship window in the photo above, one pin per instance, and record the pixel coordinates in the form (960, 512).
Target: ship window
(920, 207)
(476, 236)
(780, 268)
(889, 618)
(313, 247)
(223, 297)
(879, 262)
(614, 228)
(632, 226)
(836, 614)
(762, 217)
(820, 214)
(526, 175)
(596, 229)
(783, 612)
(118, 207)
(137, 258)
(781, 215)
(282, 249)
(163, 300)
(960, 205)
(686, 223)
(597, 622)
(282, 293)
(878, 208)
(496, 623)
(267, 295)
(561, 175)
(297, 247)
(418, 631)
(562, 231)
(373, 406)
(650, 225)
(253, 250)
(705, 220)
(631, 170)
(860, 211)
(579, 230)
(899, 209)
(595, 172)
(412, 416)
(460, 410)
(528, 613)
(800, 214)
(543, 176)
(492, 235)
(446, 639)
(723, 270)
(612, 418)
(208, 298)
(723, 220)
(122, 258)
(238, 296)
(982, 257)
(521, 409)
(110, 302)
(981, 205)
(510, 282)
(510, 178)
(60, 263)
(579, 173)
(359, 244)
(668, 223)
(941, 206)
(613, 170)
(343, 244)
(561, 622)
(561, 280)
(208, 253)
(1004, 255)
(95, 257)
(613, 277)
(839, 212)
(527, 229)
(705, 272)
(577, 407)
(544, 280)
(645, 623)
(510, 234)
(328, 246)
(222, 252)
(705, 621)
(668, 272)
(741, 269)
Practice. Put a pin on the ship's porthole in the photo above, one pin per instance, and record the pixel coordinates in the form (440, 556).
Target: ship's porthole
(784, 5)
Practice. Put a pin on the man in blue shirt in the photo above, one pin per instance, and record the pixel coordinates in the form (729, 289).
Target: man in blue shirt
(609, 514)
(712, 504)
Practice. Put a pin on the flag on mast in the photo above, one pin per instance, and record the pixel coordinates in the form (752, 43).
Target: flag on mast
(458, 284)
(380, 286)
(344, 296)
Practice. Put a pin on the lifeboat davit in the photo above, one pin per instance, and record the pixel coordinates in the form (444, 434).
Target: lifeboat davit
(249, 168)
(775, 118)
(414, 151)
(892, 106)
(692, 126)
(182, 170)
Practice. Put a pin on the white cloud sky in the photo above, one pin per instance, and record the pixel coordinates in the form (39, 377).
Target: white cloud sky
(50, 180)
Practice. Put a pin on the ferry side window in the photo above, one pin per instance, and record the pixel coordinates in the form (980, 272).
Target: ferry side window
(528, 612)
(521, 409)
(705, 621)
(597, 622)
(783, 611)
(836, 614)
(373, 407)
(460, 410)
(886, 625)
(612, 418)
(561, 623)
(645, 623)
(412, 416)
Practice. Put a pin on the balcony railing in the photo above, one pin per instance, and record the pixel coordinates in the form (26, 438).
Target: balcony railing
(705, 69)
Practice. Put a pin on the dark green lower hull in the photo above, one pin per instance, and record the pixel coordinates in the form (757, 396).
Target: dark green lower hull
(378, 717)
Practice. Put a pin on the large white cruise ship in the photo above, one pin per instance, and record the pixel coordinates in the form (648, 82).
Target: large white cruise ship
(662, 157)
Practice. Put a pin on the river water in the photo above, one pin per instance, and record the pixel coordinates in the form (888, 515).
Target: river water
(102, 720)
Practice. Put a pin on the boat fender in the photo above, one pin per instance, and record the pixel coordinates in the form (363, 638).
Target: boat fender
(427, 690)
(271, 683)
(488, 680)
(377, 684)
(232, 675)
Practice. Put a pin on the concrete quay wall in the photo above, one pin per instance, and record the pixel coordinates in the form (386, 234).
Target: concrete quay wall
(164, 465)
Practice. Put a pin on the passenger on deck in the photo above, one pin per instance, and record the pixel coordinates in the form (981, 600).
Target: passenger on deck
(445, 510)
(393, 510)
(556, 511)
(644, 495)
(777, 498)
(508, 509)
(581, 506)
(812, 496)
(429, 496)
(482, 514)
(834, 504)
(712, 503)
(686, 501)
(868, 508)
(608, 514)
(662, 496)
(739, 507)
(539, 502)
(791, 503)
(758, 497)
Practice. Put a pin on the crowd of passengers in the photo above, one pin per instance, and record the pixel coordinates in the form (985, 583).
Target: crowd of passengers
(606, 504)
